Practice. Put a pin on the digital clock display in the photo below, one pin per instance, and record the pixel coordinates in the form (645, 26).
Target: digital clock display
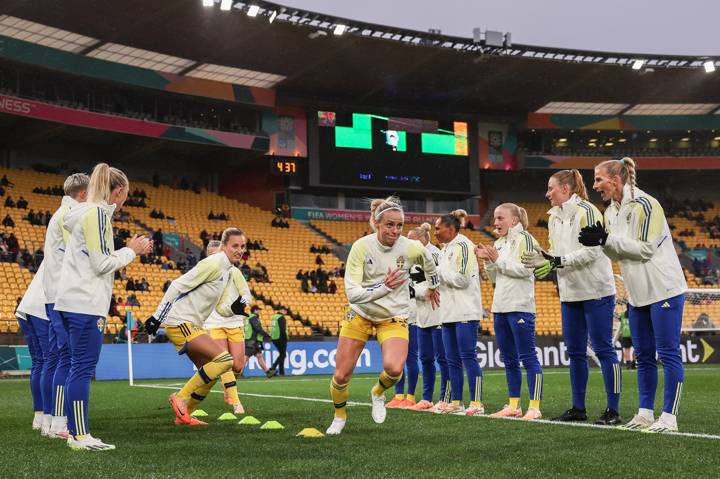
(285, 167)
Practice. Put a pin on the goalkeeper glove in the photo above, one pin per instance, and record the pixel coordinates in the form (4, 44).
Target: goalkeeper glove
(543, 270)
(152, 325)
(594, 235)
(418, 276)
(541, 262)
(238, 306)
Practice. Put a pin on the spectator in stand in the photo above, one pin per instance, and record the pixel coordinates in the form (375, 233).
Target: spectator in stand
(130, 285)
(332, 287)
(299, 275)
(5, 182)
(132, 300)
(158, 241)
(246, 271)
(305, 284)
(205, 237)
(275, 223)
(341, 271)
(9, 203)
(166, 285)
(319, 261)
(145, 285)
(469, 225)
(48, 217)
(8, 221)
(113, 311)
(123, 274)
(13, 247)
(22, 203)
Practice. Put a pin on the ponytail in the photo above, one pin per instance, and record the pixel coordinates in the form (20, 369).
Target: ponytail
(574, 180)
(625, 168)
(422, 231)
(455, 219)
(103, 180)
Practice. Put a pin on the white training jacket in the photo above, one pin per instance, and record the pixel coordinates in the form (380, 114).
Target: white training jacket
(236, 287)
(56, 240)
(586, 272)
(90, 260)
(33, 302)
(514, 283)
(459, 282)
(427, 317)
(640, 240)
(367, 265)
(193, 296)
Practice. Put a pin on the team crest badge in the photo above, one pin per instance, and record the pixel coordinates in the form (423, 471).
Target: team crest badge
(101, 325)
(400, 262)
(350, 314)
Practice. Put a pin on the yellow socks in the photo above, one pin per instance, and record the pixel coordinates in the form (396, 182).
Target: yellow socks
(399, 397)
(535, 405)
(514, 403)
(198, 395)
(385, 382)
(206, 374)
(229, 382)
(410, 397)
(475, 404)
(339, 393)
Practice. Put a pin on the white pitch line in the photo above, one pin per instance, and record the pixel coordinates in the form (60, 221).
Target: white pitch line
(274, 396)
(540, 421)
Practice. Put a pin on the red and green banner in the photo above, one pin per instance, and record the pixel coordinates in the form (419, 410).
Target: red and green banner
(119, 124)
(53, 59)
(550, 121)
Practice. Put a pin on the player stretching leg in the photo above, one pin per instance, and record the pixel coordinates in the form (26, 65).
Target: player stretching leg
(227, 331)
(375, 284)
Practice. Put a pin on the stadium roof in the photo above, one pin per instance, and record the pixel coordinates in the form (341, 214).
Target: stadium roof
(429, 72)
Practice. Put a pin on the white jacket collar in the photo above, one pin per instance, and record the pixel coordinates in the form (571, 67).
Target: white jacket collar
(514, 231)
(566, 209)
(68, 201)
(627, 196)
(382, 247)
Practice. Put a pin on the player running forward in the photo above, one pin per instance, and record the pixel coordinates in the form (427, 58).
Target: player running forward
(514, 307)
(376, 287)
(638, 237)
(429, 331)
(56, 239)
(587, 293)
(460, 312)
(34, 325)
(227, 330)
(186, 305)
(85, 288)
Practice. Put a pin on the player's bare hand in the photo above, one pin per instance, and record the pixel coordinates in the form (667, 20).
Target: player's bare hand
(433, 295)
(140, 244)
(395, 278)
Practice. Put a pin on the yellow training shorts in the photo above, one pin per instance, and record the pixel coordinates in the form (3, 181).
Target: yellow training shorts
(355, 326)
(234, 335)
(183, 333)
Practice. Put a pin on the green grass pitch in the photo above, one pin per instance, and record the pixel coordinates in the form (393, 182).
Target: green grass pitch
(138, 420)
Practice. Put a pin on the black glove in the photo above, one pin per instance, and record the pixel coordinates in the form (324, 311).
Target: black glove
(555, 261)
(412, 292)
(594, 235)
(152, 325)
(238, 307)
(418, 276)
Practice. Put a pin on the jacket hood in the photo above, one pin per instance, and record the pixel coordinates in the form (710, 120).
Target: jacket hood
(76, 212)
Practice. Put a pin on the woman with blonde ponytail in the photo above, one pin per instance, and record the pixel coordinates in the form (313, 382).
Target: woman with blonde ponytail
(638, 237)
(85, 288)
(376, 284)
(587, 293)
(514, 308)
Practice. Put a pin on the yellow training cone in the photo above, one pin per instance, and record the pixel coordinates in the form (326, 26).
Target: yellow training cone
(310, 432)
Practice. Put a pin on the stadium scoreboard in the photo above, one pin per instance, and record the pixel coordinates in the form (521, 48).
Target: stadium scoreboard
(365, 150)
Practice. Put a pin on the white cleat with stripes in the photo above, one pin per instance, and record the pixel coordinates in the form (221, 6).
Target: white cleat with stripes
(638, 423)
(665, 423)
(88, 443)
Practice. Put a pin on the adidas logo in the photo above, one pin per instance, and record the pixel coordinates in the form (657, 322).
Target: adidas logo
(521, 321)
(665, 305)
